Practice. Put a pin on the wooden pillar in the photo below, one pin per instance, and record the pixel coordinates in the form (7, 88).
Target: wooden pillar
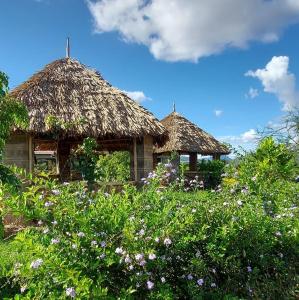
(143, 157)
(193, 161)
(216, 156)
(63, 154)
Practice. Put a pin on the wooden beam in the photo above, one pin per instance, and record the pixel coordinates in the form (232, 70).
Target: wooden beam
(30, 153)
(193, 161)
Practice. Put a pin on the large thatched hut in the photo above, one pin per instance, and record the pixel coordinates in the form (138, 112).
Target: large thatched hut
(185, 138)
(81, 104)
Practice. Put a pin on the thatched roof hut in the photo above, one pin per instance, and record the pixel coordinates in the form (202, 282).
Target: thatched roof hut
(187, 138)
(75, 94)
(87, 106)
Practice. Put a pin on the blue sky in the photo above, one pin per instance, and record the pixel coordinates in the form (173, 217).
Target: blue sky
(195, 53)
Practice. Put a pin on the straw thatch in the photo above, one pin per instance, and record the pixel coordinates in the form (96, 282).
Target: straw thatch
(186, 137)
(75, 94)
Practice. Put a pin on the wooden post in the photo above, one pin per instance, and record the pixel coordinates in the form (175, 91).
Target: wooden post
(193, 161)
(63, 154)
(216, 156)
(31, 154)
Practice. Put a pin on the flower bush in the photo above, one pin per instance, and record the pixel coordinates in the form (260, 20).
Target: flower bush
(143, 244)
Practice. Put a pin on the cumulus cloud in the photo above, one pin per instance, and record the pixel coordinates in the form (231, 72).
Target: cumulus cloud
(246, 140)
(218, 113)
(138, 96)
(181, 30)
(277, 79)
(252, 93)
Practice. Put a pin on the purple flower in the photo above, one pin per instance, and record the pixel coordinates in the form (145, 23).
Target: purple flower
(103, 244)
(139, 257)
(48, 204)
(200, 282)
(55, 241)
(70, 292)
(189, 277)
(141, 232)
(128, 260)
(152, 256)
(36, 263)
(167, 242)
(249, 269)
(93, 243)
(56, 192)
(142, 263)
(150, 285)
(119, 250)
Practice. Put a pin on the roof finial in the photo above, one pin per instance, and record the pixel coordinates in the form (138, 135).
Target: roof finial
(67, 50)
(173, 106)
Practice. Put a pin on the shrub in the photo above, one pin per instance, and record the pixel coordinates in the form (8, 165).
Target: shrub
(144, 244)
(211, 171)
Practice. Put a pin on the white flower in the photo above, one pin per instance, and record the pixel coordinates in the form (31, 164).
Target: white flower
(167, 242)
(102, 256)
(36, 263)
(54, 222)
(152, 256)
(103, 244)
(40, 222)
(141, 232)
(163, 279)
(278, 234)
(119, 250)
(239, 202)
(157, 240)
(150, 284)
(23, 289)
(55, 241)
(194, 210)
(200, 282)
(225, 203)
(74, 246)
(46, 230)
(81, 234)
(131, 267)
(213, 284)
(70, 292)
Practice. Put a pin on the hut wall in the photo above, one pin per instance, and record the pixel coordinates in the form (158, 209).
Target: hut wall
(148, 155)
(143, 157)
(18, 151)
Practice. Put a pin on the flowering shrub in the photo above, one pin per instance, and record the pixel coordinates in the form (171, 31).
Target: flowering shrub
(149, 245)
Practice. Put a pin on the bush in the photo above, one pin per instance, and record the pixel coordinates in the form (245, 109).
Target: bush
(211, 171)
(153, 245)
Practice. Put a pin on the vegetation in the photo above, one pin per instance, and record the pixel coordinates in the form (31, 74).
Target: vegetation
(12, 114)
(240, 241)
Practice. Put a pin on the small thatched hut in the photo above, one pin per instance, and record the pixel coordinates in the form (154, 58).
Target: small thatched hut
(84, 105)
(186, 138)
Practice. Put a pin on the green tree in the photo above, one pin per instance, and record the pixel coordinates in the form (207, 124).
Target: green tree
(13, 114)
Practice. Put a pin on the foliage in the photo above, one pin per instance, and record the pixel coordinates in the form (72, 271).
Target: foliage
(154, 243)
(211, 171)
(12, 114)
(101, 168)
(258, 170)
(114, 167)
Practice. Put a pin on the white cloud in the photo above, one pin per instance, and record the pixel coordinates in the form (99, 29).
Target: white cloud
(252, 93)
(180, 30)
(277, 79)
(247, 140)
(218, 113)
(138, 96)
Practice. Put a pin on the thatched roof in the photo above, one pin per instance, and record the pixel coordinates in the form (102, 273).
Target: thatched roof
(73, 93)
(185, 137)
